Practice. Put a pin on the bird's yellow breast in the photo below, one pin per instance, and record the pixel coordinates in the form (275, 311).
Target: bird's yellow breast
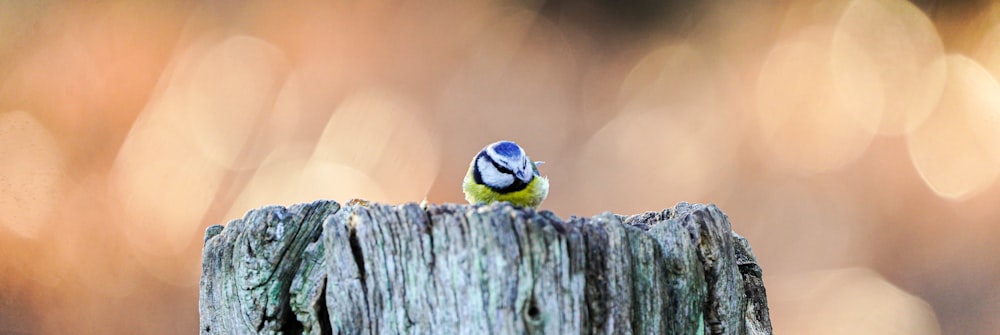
(531, 196)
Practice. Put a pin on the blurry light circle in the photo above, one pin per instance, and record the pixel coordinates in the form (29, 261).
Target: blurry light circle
(847, 301)
(807, 124)
(31, 169)
(228, 95)
(957, 151)
(643, 160)
(384, 136)
(904, 63)
(289, 176)
(988, 51)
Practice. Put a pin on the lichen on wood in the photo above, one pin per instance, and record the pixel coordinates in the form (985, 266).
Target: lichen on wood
(485, 269)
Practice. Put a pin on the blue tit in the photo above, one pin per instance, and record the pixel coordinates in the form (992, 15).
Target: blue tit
(503, 172)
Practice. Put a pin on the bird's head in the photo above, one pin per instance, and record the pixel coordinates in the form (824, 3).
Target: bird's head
(504, 165)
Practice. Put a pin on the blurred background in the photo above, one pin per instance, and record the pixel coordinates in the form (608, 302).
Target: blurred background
(855, 143)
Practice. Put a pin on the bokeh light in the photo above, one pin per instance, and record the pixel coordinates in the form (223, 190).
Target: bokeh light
(956, 151)
(902, 56)
(808, 125)
(988, 51)
(855, 143)
(673, 131)
(847, 301)
(227, 97)
(30, 175)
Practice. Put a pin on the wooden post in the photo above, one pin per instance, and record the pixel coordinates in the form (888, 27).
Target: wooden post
(321, 268)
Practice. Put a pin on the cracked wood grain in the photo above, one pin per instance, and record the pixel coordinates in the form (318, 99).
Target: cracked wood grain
(456, 269)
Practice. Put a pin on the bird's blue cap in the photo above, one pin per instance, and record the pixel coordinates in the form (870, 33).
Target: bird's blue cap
(507, 149)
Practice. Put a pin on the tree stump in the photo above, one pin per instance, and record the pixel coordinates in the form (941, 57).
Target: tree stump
(323, 268)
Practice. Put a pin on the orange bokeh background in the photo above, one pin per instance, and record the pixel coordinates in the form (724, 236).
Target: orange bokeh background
(856, 144)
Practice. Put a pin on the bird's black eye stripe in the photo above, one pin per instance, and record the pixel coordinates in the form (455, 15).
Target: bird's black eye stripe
(497, 165)
(478, 176)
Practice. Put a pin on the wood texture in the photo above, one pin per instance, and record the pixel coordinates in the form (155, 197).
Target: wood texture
(363, 268)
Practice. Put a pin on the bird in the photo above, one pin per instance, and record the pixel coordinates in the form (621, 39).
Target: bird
(502, 171)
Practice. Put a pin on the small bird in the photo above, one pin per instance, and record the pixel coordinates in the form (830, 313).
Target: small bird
(503, 172)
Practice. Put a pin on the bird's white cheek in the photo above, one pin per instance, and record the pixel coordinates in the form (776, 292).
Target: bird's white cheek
(493, 177)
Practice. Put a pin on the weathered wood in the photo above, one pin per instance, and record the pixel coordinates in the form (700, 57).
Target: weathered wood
(249, 266)
(494, 269)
